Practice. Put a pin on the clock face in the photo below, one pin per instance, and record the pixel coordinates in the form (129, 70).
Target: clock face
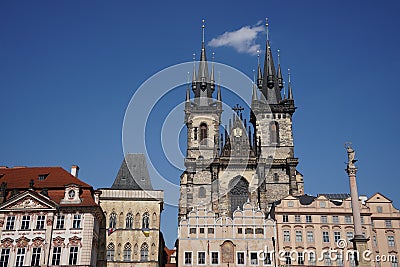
(71, 193)
(237, 132)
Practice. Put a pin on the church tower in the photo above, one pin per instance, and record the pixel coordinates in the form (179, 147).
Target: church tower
(249, 162)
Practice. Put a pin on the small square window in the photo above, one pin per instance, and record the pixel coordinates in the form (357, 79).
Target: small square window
(324, 219)
(240, 230)
(201, 258)
(192, 230)
(335, 219)
(210, 230)
(240, 258)
(285, 218)
(379, 209)
(347, 219)
(253, 258)
(214, 257)
(322, 204)
(308, 219)
(297, 218)
(201, 230)
(290, 204)
(188, 258)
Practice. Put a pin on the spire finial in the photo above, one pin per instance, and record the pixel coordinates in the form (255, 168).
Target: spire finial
(219, 97)
(202, 27)
(259, 74)
(290, 91)
(279, 56)
(280, 78)
(266, 26)
(188, 88)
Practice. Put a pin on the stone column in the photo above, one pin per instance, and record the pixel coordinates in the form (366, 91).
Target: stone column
(359, 241)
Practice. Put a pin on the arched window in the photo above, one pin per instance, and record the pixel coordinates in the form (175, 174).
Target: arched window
(137, 221)
(239, 192)
(202, 192)
(145, 221)
(113, 220)
(274, 133)
(144, 252)
(153, 249)
(135, 249)
(203, 133)
(127, 251)
(110, 252)
(276, 177)
(129, 221)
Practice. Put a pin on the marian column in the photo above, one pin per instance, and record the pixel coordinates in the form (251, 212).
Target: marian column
(359, 240)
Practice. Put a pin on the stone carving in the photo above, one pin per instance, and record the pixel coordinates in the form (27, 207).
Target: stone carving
(22, 242)
(27, 203)
(350, 155)
(37, 242)
(7, 242)
(49, 222)
(75, 241)
(1, 223)
(58, 241)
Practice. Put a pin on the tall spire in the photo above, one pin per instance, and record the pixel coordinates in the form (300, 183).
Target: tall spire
(203, 67)
(259, 74)
(212, 79)
(194, 69)
(290, 92)
(270, 87)
(254, 93)
(279, 75)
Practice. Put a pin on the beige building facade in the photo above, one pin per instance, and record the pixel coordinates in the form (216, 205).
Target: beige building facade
(133, 212)
(309, 227)
(208, 240)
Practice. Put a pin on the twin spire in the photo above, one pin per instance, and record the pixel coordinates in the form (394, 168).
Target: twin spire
(269, 81)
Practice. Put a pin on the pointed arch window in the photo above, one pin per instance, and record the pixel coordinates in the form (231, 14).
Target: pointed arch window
(110, 252)
(239, 193)
(274, 133)
(129, 221)
(127, 251)
(113, 220)
(146, 221)
(144, 252)
(203, 133)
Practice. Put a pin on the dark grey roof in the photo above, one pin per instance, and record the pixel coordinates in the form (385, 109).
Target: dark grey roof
(306, 199)
(339, 196)
(133, 174)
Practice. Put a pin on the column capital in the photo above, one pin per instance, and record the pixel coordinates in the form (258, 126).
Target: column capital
(351, 171)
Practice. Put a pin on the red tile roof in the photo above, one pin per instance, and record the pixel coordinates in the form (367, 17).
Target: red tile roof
(55, 181)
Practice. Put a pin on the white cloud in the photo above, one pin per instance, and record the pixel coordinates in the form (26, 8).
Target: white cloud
(242, 40)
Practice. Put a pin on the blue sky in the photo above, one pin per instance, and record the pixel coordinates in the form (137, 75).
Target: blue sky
(68, 70)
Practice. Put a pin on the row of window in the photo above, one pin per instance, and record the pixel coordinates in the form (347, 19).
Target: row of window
(144, 251)
(324, 219)
(40, 222)
(35, 258)
(326, 237)
(129, 220)
(215, 260)
(247, 230)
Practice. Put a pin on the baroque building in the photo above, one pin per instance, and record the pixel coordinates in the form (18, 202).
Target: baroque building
(254, 162)
(307, 227)
(48, 217)
(133, 212)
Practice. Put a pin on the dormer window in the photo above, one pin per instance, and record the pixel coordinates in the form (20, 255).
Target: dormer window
(42, 177)
(71, 194)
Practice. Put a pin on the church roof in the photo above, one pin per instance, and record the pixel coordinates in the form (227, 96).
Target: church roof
(133, 174)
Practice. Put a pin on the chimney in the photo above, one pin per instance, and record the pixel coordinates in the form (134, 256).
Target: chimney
(74, 170)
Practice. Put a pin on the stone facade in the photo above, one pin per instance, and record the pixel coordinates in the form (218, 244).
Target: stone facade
(133, 213)
(260, 155)
(204, 239)
(133, 227)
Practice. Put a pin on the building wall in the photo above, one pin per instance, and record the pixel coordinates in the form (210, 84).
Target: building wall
(339, 221)
(137, 203)
(194, 237)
